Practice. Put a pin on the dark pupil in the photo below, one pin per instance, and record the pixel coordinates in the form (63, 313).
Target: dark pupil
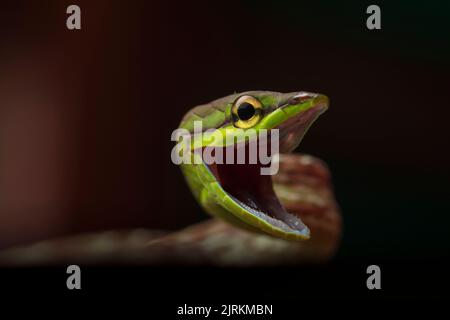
(245, 111)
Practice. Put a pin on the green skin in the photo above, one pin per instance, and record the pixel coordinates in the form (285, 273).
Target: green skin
(280, 110)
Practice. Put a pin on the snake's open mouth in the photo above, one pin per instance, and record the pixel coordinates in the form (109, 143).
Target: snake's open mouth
(253, 191)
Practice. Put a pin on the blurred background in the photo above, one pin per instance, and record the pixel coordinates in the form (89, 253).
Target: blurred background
(86, 116)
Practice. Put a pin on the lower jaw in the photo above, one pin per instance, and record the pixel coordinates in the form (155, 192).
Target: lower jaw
(254, 192)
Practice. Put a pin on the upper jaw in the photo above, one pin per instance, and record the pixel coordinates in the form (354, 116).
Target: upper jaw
(294, 129)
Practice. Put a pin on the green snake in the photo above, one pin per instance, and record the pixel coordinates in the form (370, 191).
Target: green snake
(272, 207)
(238, 193)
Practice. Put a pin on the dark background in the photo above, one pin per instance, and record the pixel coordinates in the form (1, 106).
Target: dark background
(86, 116)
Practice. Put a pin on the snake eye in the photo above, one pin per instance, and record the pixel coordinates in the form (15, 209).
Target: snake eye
(246, 112)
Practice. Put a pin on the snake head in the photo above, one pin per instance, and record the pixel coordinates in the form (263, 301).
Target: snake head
(236, 190)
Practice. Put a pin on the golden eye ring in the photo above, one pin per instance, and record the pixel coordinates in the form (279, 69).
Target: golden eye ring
(246, 112)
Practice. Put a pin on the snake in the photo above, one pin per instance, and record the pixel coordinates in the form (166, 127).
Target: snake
(287, 216)
(237, 192)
